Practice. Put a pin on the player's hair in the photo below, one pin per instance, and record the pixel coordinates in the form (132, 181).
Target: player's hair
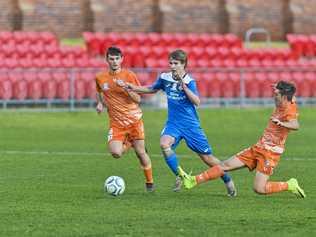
(114, 51)
(179, 55)
(286, 88)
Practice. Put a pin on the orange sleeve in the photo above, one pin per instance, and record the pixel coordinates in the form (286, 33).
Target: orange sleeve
(97, 86)
(133, 78)
(291, 112)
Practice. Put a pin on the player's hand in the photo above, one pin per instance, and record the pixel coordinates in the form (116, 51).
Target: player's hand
(175, 76)
(123, 84)
(120, 83)
(276, 121)
(99, 108)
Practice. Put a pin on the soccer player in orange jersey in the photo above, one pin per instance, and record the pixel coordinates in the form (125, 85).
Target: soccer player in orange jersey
(265, 154)
(126, 127)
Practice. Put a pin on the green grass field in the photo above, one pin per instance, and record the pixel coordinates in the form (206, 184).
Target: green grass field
(53, 165)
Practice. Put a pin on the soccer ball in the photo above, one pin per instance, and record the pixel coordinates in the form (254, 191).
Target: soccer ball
(114, 185)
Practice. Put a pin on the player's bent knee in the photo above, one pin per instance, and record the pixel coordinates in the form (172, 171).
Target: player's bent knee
(165, 145)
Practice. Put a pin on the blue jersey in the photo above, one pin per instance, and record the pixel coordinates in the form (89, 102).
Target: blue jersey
(181, 111)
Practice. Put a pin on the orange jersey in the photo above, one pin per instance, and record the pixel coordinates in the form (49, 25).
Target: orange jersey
(274, 136)
(122, 110)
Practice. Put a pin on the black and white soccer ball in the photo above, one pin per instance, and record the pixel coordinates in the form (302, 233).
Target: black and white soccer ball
(114, 185)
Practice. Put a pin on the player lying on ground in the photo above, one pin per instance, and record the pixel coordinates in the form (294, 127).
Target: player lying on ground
(265, 154)
(126, 127)
(183, 121)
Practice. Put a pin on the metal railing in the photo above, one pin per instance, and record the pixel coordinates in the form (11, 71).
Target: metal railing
(240, 99)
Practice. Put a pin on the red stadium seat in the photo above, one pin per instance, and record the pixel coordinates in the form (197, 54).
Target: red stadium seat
(6, 36)
(144, 78)
(19, 90)
(138, 60)
(235, 77)
(154, 39)
(90, 86)
(227, 85)
(34, 89)
(312, 78)
(8, 49)
(11, 63)
(252, 86)
(151, 63)
(80, 92)
(202, 84)
(92, 43)
(63, 90)
(213, 84)
(5, 89)
(48, 38)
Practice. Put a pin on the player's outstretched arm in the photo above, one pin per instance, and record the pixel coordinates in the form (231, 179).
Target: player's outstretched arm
(292, 124)
(141, 89)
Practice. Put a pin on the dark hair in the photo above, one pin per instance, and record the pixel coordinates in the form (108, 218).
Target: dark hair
(286, 88)
(114, 51)
(180, 55)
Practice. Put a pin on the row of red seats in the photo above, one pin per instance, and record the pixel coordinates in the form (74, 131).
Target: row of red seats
(46, 85)
(257, 85)
(219, 63)
(56, 85)
(97, 42)
(40, 50)
(158, 52)
(67, 62)
(155, 57)
(19, 37)
(140, 62)
(302, 45)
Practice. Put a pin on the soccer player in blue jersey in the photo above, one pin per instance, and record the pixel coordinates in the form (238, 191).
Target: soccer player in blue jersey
(183, 121)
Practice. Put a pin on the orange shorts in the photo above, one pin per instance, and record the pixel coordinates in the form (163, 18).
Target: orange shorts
(263, 160)
(130, 133)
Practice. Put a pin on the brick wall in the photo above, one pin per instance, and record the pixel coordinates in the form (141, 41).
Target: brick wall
(304, 16)
(123, 15)
(68, 18)
(190, 16)
(63, 17)
(246, 14)
(5, 15)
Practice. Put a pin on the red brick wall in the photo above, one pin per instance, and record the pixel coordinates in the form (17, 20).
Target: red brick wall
(5, 13)
(63, 17)
(304, 16)
(123, 15)
(190, 16)
(246, 14)
(68, 18)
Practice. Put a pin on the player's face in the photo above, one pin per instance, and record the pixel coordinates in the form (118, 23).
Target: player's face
(114, 61)
(277, 94)
(176, 67)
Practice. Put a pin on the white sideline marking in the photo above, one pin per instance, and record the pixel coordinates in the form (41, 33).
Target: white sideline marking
(70, 153)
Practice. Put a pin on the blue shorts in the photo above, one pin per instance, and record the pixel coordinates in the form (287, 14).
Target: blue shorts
(194, 137)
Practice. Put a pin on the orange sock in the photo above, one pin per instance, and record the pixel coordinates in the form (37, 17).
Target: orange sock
(148, 174)
(276, 187)
(212, 173)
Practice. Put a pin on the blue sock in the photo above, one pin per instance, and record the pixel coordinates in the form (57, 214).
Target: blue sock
(226, 178)
(172, 162)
